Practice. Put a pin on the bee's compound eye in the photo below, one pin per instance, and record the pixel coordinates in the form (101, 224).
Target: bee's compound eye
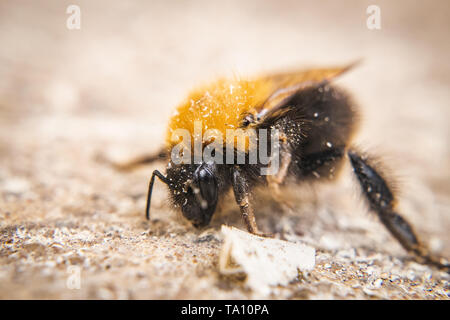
(202, 196)
(208, 186)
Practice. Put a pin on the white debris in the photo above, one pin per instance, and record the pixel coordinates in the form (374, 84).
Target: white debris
(347, 254)
(265, 261)
(15, 185)
(377, 283)
(394, 277)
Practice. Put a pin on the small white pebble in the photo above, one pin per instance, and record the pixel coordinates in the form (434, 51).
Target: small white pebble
(369, 292)
(377, 283)
(16, 185)
(436, 244)
(348, 254)
(444, 275)
(411, 275)
(105, 294)
(371, 270)
(47, 271)
(427, 276)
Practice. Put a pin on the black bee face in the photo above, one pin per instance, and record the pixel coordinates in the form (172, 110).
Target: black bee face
(195, 191)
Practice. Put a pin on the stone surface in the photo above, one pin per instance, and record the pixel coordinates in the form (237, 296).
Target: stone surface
(71, 227)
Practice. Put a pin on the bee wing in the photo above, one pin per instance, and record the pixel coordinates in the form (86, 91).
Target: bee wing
(284, 80)
(285, 85)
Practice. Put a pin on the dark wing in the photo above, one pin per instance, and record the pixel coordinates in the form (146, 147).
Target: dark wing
(285, 85)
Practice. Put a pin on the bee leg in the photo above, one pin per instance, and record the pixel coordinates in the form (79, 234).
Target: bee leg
(381, 201)
(142, 160)
(274, 181)
(241, 190)
(285, 160)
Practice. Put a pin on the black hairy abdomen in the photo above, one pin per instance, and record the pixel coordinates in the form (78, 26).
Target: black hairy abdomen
(318, 126)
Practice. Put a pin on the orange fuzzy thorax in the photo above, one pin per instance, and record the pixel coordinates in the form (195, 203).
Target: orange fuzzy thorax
(223, 104)
(219, 106)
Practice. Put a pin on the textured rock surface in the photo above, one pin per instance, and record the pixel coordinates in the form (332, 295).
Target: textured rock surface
(109, 88)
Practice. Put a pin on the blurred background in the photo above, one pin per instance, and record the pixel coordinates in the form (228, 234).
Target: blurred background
(110, 87)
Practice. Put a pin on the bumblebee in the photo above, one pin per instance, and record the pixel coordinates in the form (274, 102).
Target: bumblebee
(315, 121)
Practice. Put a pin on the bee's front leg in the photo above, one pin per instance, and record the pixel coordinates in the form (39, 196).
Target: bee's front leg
(241, 190)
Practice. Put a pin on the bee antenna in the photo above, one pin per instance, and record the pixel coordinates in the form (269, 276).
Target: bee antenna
(158, 174)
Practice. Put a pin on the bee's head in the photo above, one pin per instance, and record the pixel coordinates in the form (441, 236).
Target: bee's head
(194, 189)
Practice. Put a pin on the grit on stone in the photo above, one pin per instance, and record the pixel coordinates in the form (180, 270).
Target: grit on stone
(68, 97)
